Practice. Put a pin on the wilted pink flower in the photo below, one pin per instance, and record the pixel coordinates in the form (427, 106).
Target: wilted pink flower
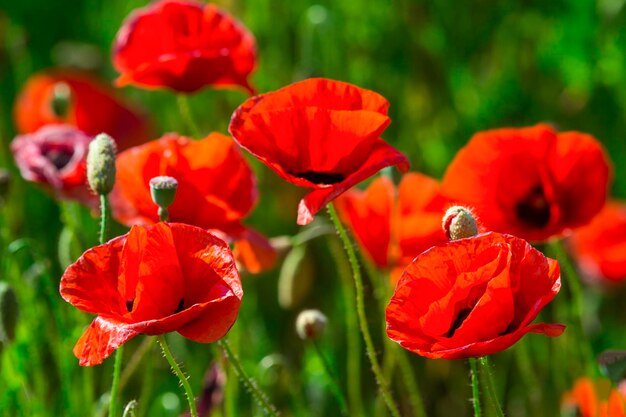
(55, 155)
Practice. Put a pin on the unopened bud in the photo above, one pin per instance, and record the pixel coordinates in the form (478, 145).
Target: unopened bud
(459, 223)
(310, 324)
(61, 99)
(101, 164)
(8, 313)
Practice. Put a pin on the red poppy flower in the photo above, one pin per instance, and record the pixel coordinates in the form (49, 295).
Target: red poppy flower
(472, 297)
(184, 46)
(393, 226)
(216, 190)
(90, 105)
(55, 156)
(587, 399)
(153, 280)
(600, 247)
(532, 182)
(320, 134)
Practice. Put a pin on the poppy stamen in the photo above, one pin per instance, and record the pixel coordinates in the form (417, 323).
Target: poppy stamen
(320, 178)
(460, 318)
(129, 305)
(534, 209)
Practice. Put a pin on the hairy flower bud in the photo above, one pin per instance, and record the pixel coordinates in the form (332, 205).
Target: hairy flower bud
(459, 223)
(101, 164)
(310, 324)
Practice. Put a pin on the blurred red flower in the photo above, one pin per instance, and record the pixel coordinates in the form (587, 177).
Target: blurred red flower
(55, 156)
(156, 279)
(216, 190)
(472, 297)
(320, 134)
(600, 247)
(583, 400)
(184, 46)
(394, 225)
(532, 182)
(80, 100)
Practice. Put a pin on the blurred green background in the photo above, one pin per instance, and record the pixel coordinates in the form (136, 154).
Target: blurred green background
(449, 69)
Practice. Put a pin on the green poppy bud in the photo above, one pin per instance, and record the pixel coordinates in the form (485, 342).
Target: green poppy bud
(101, 164)
(459, 223)
(61, 99)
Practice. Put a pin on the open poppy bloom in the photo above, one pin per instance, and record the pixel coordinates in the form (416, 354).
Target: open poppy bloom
(320, 134)
(532, 182)
(600, 247)
(156, 279)
(78, 99)
(216, 190)
(394, 225)
(55, 156)
(589, 399)
(184, 46)
(472, 297)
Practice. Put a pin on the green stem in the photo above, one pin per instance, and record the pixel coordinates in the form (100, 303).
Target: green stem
(104, 218)
(250, 384)
(578, 302)
(360, 309)
(117, 367)
(164, 214)
(335, 386)
(179, 373)
(475, 391)
(185, 111)
(491, 391)
(353, 342)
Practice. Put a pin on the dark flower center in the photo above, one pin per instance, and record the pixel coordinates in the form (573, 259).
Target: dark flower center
(534, 209)
(319, 177)
(60, 156)
(129, 305)
(181, 306)
(460, 318)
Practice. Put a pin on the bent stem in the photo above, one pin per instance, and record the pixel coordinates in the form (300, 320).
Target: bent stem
(185, 111)
(360, 307)
(179, 373)
(353, 340)
(250, 384)
(335, 386)
(491, 391)
(576, 291)
(475, 390)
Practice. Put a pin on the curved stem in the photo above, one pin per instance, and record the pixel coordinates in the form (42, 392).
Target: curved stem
(335, 386)
(250, 384)
(578, 302)
(179, 373)
(491, 391)
(360, 308)
(353, 340)
(185, 111)
(475, 391)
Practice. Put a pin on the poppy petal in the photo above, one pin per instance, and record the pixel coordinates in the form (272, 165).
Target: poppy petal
(101, 339)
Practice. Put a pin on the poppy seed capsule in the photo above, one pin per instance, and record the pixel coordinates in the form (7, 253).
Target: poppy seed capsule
(163, 190)
(459, 223)
(310, 324)
(101, 164)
